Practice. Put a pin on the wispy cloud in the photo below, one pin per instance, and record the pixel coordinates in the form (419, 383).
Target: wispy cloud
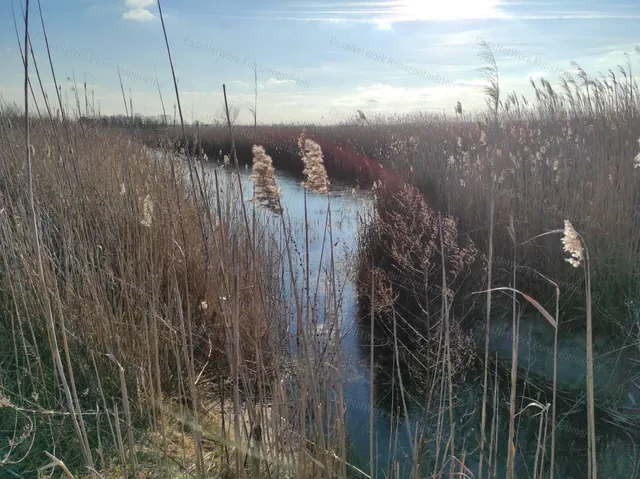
(383, 25)
(535, 75)
(383, 14)
(580, 16)
(275, 81)
(138, 10)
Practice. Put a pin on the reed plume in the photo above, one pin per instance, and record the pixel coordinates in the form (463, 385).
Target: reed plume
(572, 245)
(147, 211)
(265, 191)
(314, 170)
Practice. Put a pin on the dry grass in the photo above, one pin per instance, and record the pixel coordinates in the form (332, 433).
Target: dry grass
(134, 274)
(401, 249)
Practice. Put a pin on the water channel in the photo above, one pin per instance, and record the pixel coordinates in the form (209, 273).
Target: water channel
(391, 433)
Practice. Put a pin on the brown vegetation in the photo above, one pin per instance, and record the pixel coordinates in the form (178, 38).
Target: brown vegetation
(136, 275)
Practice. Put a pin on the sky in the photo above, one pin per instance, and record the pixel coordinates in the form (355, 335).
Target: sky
(316, 61)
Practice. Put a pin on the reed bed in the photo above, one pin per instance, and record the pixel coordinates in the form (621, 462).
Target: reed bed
(520, 169)
(161, 294)
(145, 330)
(135, 281)
(567, 153)
(156, 324)
(517, 170)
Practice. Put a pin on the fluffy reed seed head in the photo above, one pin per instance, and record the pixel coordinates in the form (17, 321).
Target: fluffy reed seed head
(314, 170)
(265, 189)
(572, 245)
(147, 211)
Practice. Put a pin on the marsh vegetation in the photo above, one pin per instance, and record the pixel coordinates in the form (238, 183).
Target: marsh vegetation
(444, 295)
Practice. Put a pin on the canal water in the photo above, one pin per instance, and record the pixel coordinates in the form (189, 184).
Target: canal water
(349, 207)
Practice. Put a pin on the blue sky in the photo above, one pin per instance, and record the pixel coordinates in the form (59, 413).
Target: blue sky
(317, 61)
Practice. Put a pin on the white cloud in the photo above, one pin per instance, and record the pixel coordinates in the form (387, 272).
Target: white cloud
(138, 15)
(580, 16)
(337, 20)
(138, 10)
(133, 4)
(385, 13)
